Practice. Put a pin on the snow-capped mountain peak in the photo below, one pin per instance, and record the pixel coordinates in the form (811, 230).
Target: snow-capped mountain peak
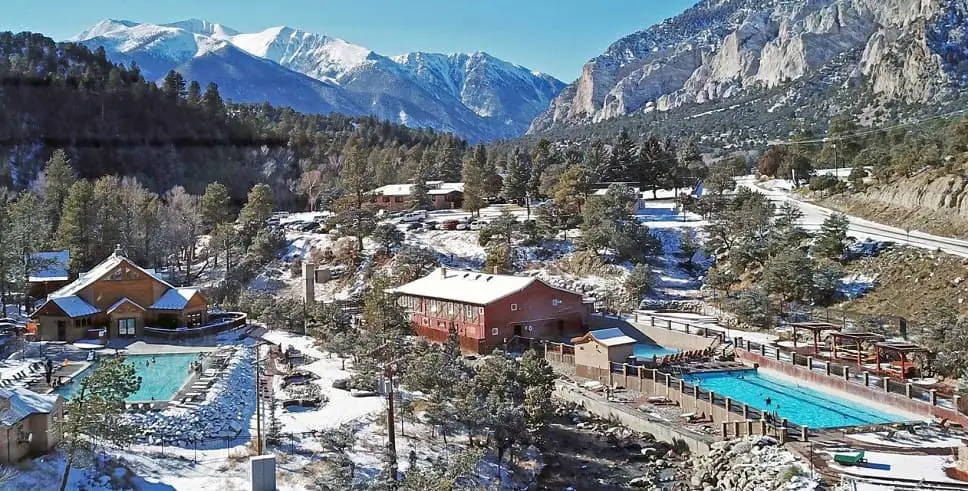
(205, 28)
(475, 95)
(319, 56)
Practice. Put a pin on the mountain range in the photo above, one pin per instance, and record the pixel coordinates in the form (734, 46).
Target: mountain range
(476, 96)
(749, 70)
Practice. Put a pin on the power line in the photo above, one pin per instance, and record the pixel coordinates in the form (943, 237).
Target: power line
(870, 131)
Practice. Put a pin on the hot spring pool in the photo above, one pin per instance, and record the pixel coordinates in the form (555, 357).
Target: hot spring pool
(161, 376)
(800, 404)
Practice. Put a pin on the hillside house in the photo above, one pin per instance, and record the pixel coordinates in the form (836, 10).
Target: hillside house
(47, 271)
(396, 197)
(488, 310)
(27, 423)
(121, 298)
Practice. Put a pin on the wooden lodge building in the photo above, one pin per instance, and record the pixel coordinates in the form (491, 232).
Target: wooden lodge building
(121, 297)
(488, 310)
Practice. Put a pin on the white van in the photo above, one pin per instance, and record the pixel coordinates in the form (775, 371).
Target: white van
(414, 216)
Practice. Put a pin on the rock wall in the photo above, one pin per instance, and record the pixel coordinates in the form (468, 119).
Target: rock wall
(913, 50)
(923, 192)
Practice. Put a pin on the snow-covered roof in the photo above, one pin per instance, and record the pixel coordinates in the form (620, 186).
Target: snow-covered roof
(612, 337)
(175, 299)
(433, 187)
(74, 306)
(86, 279)
(53, 266)
(121, 301)
(465, 286)
(23, 403)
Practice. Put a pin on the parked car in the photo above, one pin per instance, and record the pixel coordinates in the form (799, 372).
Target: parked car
(415, 216)
(431, 225)
(415, 226)
(478, 224)
(462, 226)
(449, 225)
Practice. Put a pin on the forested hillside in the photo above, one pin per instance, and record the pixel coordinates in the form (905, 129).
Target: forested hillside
(111, 121)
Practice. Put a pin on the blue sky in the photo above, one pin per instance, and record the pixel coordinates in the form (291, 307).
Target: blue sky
(553, 36)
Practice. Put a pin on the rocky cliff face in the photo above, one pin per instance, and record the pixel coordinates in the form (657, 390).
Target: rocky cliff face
(902, 50)
(947, 194)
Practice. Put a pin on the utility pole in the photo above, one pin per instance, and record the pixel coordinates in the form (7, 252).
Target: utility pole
(258, 401)
(391, 429)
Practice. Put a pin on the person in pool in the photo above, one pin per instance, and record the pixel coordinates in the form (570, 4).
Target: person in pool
(769, 401)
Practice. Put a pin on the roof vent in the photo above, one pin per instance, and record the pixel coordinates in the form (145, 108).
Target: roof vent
(443, 272)
(117, 250)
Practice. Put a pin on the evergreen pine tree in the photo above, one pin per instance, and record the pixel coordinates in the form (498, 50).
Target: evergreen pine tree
(831, 242)
(475, 180)
(77, 221)
(194, 93)
(216, 205)
(450, 161)
(516, 177)
(58, 177)
(212, 99)
(542, 159)
(274, 428)
(257, 210)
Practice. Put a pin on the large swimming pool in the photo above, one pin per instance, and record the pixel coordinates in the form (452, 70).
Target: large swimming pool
(161, 376)
(799, 404)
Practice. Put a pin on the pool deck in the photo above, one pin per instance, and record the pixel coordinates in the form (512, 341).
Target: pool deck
(143, 348)
(70, 371)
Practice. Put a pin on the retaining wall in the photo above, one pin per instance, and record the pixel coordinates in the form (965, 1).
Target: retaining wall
(698, 443)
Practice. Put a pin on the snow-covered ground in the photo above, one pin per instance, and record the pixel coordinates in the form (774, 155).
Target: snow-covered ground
(927, 437)
(900, 466)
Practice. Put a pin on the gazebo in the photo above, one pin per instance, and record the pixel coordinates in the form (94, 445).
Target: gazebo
(901, 349)
(817, 328)
(855, 340)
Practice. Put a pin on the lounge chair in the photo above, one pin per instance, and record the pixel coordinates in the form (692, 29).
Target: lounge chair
(850, 459)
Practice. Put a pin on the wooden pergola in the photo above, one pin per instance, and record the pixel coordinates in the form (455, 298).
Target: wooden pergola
(817, 328)
(901, 349)
(856, 340)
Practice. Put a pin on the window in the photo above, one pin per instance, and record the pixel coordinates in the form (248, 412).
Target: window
(398, 199)
(126, 327)
(426, 321)
(481, 311)
(514, 306)
(494, 331)
(556, 302)
(386, 199)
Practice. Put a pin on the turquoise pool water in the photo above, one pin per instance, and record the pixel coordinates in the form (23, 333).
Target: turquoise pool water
(161, 376)
(799, 404)
(647, 351)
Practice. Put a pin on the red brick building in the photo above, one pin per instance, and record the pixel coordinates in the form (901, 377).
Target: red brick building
(396, 197)
(487, 310)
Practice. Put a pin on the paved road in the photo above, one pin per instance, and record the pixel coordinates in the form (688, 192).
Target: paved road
(813, 217)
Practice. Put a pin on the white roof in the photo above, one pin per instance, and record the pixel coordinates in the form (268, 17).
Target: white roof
(53, 266)
(612, 337)
(465, 286)
(74, 306)
(86, 279)
(121, 301)
(175, 299)
(23, 403)
(434, 187)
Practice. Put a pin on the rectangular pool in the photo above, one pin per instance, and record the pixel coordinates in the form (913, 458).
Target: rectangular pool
(801, 405)
(161, 376)
(646, 352)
